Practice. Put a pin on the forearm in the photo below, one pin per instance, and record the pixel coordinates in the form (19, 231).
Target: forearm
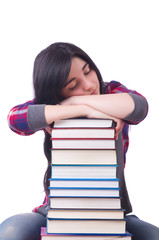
(117, 105)
(40, 116)
(56, 112)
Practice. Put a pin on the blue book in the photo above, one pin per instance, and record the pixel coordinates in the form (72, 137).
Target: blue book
(84, 182)
(49, 236)
(86, 213)
(85, 202)
(60, 236)
(85, 192)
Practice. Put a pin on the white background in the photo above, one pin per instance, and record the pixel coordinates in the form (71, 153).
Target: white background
(122, 38)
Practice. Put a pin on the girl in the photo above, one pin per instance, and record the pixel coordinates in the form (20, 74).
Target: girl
(68, 84)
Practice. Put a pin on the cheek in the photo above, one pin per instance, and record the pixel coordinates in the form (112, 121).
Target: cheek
(95, 79)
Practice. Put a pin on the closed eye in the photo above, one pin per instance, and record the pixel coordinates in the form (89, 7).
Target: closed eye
(87, 69)
(73, 84)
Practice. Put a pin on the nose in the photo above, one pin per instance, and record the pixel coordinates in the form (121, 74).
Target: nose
(86, 85)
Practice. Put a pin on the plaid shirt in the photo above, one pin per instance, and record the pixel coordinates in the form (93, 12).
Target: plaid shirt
(17, 118)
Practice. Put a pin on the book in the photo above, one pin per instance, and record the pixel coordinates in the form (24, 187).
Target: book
(46, 236)
(83, 133)
(86, 202)
(58, 143)
(86, 226)
(83, 171)
(86, 213)
(83, 122)
(83, 156)
(84, 182)
(83, 192)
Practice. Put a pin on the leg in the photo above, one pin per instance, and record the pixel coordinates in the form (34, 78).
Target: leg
(22, 227)
(141, 230)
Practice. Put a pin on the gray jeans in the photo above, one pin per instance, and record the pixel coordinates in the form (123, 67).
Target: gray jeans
(27, 227)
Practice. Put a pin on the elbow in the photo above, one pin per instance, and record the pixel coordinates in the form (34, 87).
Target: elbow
(140, 110)
(10, 120)
(17, 124)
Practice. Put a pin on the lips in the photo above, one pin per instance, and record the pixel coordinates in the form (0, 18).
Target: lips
(94, 92)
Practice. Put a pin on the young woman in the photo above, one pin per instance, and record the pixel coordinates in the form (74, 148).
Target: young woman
(68, 84)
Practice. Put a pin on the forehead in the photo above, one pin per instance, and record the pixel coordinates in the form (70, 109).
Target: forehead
(77, 64)
(77, 60)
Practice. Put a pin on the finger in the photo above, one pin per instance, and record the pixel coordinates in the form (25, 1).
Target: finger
(49, 130)
(119, 128)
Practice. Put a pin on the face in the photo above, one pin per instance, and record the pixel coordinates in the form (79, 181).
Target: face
(82, 80)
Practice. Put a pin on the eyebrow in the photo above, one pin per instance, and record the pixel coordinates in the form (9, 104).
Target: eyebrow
(84, 66)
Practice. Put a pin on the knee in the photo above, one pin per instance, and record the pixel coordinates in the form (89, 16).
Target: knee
(8, 230)
(22, 227)
(141, 229)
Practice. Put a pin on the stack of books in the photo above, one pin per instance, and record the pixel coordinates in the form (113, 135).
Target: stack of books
(84, 189)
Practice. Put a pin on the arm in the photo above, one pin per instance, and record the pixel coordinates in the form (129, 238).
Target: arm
(117, 105)
(118, 102)
(27, 118)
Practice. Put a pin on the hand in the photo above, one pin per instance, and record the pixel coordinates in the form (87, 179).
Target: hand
(119, 126)
(49, 130)
(97, 114)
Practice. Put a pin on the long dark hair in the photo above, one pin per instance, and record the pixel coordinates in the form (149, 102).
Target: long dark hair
(51, 70)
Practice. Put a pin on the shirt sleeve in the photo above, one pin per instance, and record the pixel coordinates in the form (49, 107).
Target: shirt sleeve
(26, 119)
(141, 105)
